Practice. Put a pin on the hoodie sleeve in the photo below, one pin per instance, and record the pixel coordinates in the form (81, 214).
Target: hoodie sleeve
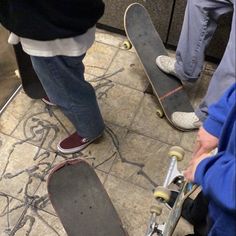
(217, 174)
(217, 177)
(218, 112)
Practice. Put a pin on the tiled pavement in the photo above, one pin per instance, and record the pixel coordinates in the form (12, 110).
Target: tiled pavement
(29, 134)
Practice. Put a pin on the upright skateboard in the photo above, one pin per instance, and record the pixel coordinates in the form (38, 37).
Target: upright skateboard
(148, 45)
(162, 195)
(81, 201)
(30, 82)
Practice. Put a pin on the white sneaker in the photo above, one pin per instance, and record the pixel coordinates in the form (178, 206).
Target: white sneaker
(186, 120)
(167, 65)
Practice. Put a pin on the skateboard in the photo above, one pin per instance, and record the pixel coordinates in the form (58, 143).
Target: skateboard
(81, 202)
(148, 45)
(162, 195)
(30, 82)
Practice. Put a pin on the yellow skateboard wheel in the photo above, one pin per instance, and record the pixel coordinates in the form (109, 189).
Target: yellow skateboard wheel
(127, 45)
(156, 209)
(160, 113)
(177, 152)
(17, 74)
(162, 193)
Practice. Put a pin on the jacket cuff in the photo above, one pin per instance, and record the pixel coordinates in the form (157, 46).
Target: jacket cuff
(199, 173)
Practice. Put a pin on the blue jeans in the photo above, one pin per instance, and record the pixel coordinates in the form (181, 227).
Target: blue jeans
(63, 80)
(200, 22)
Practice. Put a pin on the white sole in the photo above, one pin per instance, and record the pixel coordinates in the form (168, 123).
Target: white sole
(48, 103)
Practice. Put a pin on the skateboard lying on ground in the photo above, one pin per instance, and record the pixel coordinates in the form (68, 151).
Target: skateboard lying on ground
(162, 195)
(148, 45)
(30, 82)
(81, 202)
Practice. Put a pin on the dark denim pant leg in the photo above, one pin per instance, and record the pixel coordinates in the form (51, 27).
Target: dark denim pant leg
(63, 80)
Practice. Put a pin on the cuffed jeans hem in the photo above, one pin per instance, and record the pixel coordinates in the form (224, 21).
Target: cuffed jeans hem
(201, 115)
(92, 135)
(184, 77)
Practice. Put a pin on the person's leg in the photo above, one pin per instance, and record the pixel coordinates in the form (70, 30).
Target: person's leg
(197, 214)
(200, 22)
(198, 28)
(223, 77)
(63, 80)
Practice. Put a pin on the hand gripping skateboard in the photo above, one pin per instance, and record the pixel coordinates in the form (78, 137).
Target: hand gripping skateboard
(30, 82)
(162, 195)
(81, 202)
(148, 45)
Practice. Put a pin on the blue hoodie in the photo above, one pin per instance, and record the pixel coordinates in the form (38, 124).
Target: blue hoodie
(217, 174)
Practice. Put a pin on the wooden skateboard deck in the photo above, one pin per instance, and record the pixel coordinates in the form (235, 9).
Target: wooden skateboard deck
(81, 202)
(30, 82)
(148, 45)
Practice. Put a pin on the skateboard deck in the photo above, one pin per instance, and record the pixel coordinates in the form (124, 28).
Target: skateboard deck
(30, 82)
(81, 202)
(163, 193)
(148, 45)
(175, 213)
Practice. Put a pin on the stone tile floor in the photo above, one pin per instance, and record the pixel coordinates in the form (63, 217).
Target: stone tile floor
(134, 137)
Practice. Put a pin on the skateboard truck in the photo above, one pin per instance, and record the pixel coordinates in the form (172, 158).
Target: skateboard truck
(153, 227)
(162, 193)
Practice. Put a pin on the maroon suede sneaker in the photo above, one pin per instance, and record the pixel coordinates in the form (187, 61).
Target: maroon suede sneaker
(74, 143)
(47, 101)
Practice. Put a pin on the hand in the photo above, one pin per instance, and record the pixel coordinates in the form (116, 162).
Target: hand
(189, 173)
(205, 143)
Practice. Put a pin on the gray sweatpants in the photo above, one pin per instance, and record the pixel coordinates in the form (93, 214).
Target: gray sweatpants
(198, 28)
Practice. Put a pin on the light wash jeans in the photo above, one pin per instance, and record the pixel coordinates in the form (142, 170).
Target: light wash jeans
(63, 80)
(199, 24)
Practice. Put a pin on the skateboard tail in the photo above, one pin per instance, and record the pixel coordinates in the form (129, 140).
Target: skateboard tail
(30, 81)
(132, 14)
(81, 202)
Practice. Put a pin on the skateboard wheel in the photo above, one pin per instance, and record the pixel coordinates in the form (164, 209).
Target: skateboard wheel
(162, 193)
(127, 44)
(160, 113)
(17, 74)
(155, 209)
(177, 152)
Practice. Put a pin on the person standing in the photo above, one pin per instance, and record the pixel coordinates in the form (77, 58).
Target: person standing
(200, 23)
(56, 34)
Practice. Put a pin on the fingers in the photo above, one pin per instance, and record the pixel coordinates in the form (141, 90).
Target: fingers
(196, 148)
(203, 151)
(200, 151)
(189, 173)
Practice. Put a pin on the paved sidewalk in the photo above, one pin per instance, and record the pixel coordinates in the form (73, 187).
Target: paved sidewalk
(29, 135)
